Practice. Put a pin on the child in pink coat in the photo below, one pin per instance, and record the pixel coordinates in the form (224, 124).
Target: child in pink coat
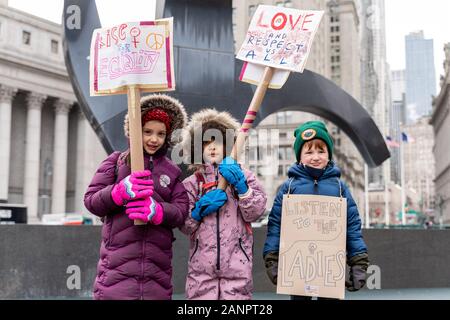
(219, 223)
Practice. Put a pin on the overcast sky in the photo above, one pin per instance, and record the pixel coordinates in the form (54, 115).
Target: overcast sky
(402, 17)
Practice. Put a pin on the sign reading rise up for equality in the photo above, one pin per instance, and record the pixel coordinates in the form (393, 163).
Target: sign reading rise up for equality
(138, 54)
(280, 37)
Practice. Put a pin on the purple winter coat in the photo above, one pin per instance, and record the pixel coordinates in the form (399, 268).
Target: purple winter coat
(135, 261)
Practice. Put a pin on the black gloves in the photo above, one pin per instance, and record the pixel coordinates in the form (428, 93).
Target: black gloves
(271, 262)
(358, 267)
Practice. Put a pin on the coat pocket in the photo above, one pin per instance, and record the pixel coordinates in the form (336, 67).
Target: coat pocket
(195, 250)
(243, 250)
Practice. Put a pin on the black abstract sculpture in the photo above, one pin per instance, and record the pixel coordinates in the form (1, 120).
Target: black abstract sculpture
(206, 74)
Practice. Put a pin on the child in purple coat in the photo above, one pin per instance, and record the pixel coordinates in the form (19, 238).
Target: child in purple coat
(135, 261)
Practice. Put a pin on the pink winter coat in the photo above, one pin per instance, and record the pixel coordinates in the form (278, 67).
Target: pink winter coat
(222, 272)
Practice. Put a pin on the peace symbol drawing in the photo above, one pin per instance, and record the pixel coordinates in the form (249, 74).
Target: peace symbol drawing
(155, 41)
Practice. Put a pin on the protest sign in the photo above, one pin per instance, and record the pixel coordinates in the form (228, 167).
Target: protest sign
(138, 54)
(280, 37)
(312, 256)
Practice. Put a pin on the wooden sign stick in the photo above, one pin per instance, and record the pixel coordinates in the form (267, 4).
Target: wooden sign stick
(252, 111)
(136, 145)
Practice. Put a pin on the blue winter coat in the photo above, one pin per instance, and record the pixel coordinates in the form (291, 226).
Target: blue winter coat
(327, 185)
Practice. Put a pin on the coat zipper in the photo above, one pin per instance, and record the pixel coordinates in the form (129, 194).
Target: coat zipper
(218, 242)
(142, 264)
(151, 163)
(195, 249)
(217, 228)
(242, 248)
(143, 247)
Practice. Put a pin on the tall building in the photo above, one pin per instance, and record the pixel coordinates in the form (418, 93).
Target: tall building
(334, 55)
(344, 56)
(375, 86)
(397, 118)
(420, 75)
(440, 121)
(49, 151)
(398, 85)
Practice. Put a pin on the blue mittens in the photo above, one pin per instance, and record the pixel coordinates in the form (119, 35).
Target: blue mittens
(209, 203)
(232, 172)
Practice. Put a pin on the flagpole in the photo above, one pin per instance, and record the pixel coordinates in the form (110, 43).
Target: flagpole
(386, 196)
(386, 167)
(402, 170)
(366, 194)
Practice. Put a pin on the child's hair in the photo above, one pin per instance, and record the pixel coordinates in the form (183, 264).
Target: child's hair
(317, 143)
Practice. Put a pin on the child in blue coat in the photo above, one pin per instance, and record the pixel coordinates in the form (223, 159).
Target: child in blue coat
(316, 174)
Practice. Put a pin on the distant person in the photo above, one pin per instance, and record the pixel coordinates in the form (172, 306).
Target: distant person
(219, 224)
(135, 261)
(316, 174)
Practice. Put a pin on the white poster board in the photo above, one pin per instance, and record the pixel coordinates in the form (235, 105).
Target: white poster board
(280, 37)
(252, 73)
(138, 54)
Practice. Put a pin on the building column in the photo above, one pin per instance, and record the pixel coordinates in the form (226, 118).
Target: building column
(59, 184)
(35, 103)
(90, 153)
(6, 97)
(83, 172)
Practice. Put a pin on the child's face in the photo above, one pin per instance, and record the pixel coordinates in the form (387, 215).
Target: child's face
(153, 135)
(212, 152)
(315, 154)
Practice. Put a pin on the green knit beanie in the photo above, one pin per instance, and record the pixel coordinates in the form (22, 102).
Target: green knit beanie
(309, 131)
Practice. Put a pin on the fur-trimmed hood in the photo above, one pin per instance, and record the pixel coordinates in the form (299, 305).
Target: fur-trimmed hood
(204, 120)
(173, 107)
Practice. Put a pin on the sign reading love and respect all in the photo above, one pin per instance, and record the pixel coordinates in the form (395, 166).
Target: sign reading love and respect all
(312, 257)
(138, 54)
(278, 37)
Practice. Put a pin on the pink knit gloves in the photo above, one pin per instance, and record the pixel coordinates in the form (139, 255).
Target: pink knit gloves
(138, 185)
(146, 210)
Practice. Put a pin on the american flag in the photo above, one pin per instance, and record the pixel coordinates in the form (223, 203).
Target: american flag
(392, 143)
(407, 139)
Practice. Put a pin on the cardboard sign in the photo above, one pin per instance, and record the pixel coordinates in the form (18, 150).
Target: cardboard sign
(280, 37)
(138, 54)
(252, 73)
(312, 257)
